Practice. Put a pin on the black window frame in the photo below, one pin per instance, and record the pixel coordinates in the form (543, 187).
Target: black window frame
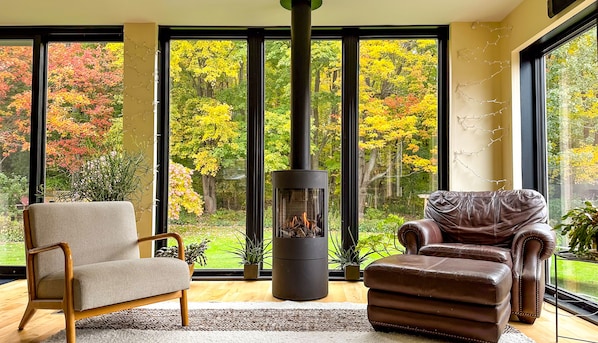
(534, 137)
(256, 37)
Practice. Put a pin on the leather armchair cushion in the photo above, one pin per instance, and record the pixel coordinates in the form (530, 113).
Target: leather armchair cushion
(470, 251)
(106, 283)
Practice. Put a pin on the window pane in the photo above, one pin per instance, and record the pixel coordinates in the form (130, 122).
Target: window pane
(84, 118)
(277, 130)
(571, 107)
(15, 114)
(208, 144)
(325, 115)
(398, 118)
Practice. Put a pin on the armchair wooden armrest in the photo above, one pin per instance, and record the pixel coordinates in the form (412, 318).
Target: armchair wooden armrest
(69, 312)
(68, 266)
(166, 235)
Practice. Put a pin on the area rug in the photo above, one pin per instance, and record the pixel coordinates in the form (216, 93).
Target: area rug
(278, 322)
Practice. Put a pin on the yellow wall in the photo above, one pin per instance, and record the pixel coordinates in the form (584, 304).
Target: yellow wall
(139, 116)
(476, 106)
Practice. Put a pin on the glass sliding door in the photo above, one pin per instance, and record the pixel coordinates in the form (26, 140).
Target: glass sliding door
(208, 145)
(571, 93)
(398, 130)
(15, 125)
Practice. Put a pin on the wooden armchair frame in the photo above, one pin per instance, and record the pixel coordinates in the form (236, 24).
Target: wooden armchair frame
(66, 304)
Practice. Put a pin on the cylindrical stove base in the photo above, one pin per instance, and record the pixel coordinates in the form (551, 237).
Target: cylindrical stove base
(300, 269)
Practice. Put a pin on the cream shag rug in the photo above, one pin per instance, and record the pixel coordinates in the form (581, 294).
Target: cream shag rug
(278, 322)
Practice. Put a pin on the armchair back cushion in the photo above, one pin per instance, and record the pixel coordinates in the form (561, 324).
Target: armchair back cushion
(485, 218)
(104, 232)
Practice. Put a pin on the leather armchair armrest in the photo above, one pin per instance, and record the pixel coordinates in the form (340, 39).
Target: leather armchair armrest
(417, 233)
(531, 245)
(538, 239)
(174, 235)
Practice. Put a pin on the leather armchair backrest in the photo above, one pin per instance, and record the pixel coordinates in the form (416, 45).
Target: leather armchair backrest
(488, 218)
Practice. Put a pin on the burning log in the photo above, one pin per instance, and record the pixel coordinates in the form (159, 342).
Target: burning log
(300, 227)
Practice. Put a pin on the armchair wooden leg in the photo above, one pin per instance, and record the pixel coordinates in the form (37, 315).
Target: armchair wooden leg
(29, 312)
(184, 308)
(69, 318)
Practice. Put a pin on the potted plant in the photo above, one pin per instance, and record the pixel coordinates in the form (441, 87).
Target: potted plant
(194, 253)
(581, 226)
(252, 253)
(349, 260)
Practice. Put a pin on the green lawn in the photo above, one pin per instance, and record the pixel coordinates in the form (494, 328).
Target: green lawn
(12, 254)
(577, 276)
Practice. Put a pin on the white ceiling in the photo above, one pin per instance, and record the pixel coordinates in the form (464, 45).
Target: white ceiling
(257, 13)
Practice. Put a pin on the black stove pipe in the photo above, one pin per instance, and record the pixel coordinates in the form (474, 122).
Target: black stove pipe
(300, 83)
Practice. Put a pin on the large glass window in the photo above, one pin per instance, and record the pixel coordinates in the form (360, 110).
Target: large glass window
(84, 144)
(223, 81)
(208, 145)
(560, 146)
(398, 127)
(572, 150)
(81, 107)
(325, 130)
(15, 125)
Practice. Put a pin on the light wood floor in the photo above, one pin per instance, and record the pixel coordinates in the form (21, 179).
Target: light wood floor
(13, 299)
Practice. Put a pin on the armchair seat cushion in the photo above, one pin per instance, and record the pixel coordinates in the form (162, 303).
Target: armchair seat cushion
(469, 251)
(106, 283)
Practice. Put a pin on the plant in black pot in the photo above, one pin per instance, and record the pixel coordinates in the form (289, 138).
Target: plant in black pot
(194, 253)
(348, 260)
(580, 225)
(252, 252)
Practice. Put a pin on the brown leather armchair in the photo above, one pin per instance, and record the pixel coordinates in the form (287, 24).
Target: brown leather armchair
(507, 226)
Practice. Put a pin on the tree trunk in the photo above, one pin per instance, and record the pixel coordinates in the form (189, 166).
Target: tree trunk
(209, 193)
(315, 157)
(365, 177)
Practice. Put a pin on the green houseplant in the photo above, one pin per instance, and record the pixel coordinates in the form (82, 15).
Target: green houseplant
(348, 260)
(580, 224)
(194, 253)
(252, 252)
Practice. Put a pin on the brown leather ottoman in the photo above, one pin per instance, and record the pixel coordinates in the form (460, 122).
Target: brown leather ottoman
(461, 299)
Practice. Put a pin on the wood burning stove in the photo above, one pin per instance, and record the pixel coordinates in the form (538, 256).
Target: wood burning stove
(300, 230)
(300, 199)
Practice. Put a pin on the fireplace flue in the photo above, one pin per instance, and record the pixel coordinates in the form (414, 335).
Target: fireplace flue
(300, 195)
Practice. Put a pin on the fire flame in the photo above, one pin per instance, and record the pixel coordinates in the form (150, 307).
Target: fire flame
(305, 221)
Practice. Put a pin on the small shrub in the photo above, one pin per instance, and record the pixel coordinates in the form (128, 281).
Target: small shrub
(10, 230)
(110, 177)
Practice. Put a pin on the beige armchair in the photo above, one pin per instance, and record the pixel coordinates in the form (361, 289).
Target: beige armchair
(83, 258)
